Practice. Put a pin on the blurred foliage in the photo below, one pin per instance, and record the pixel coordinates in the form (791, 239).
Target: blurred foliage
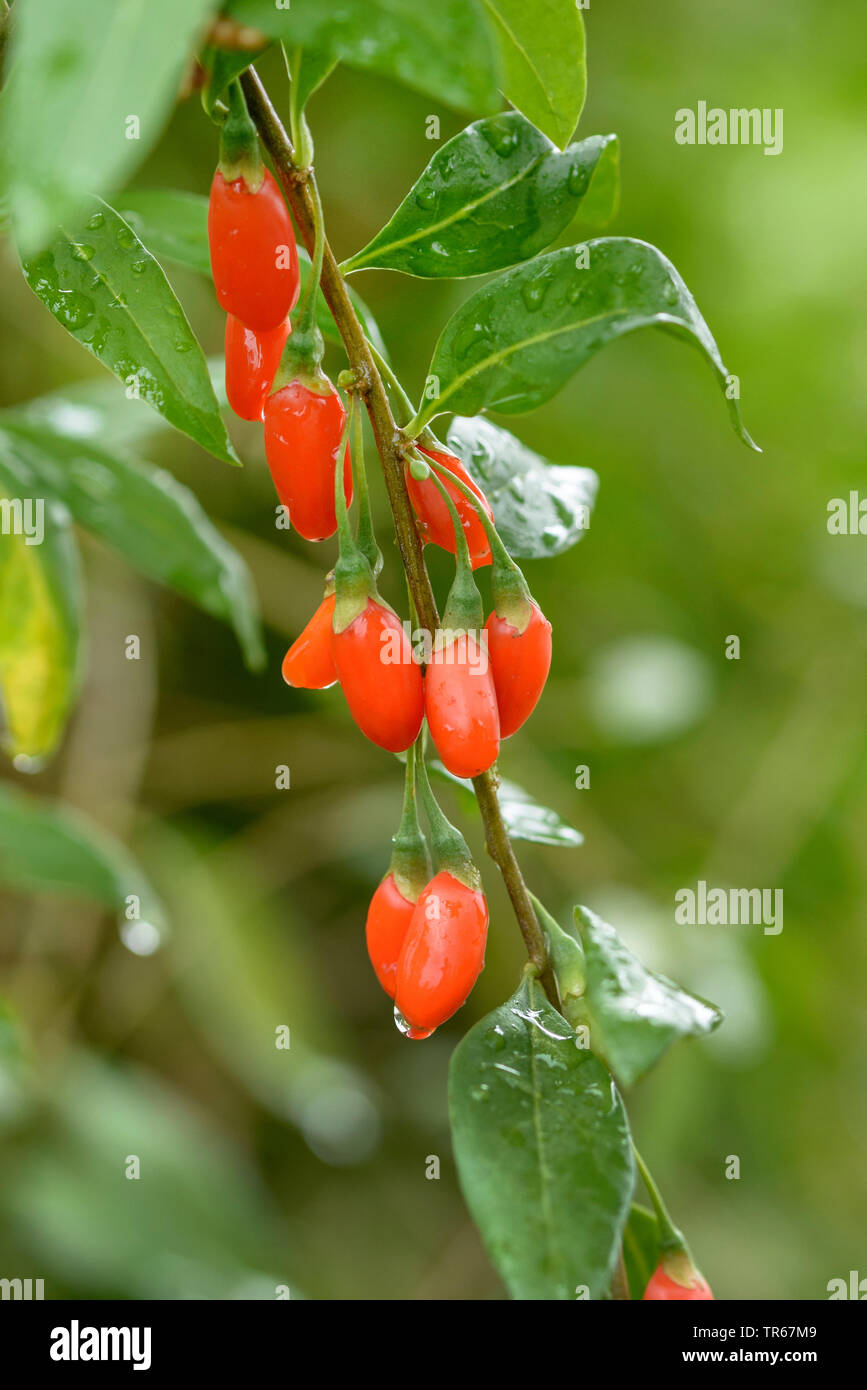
(307, 1166)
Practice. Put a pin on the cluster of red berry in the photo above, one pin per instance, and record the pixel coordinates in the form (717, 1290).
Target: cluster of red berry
(426, 935)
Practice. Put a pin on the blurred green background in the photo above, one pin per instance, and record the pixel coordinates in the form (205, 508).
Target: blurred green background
(307, 1167)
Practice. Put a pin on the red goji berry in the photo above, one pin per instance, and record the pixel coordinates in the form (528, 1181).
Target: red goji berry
(252, 359)
(663, 1286)
(443, 953)
(433, 513)
(303, 428)
(309, 664)
(520, 661)
(254, 260)
(380, 677)
(388, 919)
(461, 705)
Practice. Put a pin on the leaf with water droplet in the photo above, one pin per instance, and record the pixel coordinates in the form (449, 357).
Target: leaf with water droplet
(496, 194)
(545, 1162)
(40, 616)
(154, 521)
(634, 1014)
(540, 508)
(534, 349)
(144, 334)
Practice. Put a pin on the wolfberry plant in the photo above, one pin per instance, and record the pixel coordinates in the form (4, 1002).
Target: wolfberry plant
(541, 1136)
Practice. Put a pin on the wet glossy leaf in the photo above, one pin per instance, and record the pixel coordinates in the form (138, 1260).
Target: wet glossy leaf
(82, 74)
(640, 1248)
(445, 50)
(40, 615)
(542, 60)
(634, 1014)
(107, 290)
(543, 1149)
(155, 522)
(540, 508)
(46, 847)
(196, 1226)
(171, 224)
(498, 193)
(525, 818)
(174, 227)
(514, 343)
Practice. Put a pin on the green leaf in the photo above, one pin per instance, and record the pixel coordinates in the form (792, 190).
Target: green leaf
(543, 1149)
(602, 196)
(542, 60)
(105, 287)
(82, 74)
(142, 511)
(40, 616)
(46, 847)
(540, 508)
(174, 227)
(525, 818)
(634, 1014)
(444, 50)
(640, 1248)
(498, 193)
(515, 342)
(313, 67)
(223, 67)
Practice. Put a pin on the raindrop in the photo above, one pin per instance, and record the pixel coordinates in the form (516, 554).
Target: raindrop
(126, 237)
(534, 291)
(139, 267)
(577, 181)
(140, 937)
(96, 221)
(24, 762)
(427, 198)
(82, 251)
(501, 134)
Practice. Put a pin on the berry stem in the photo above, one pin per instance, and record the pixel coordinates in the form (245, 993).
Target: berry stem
(463, 611)
(409, 858)
(670, 1238)
(366, 536)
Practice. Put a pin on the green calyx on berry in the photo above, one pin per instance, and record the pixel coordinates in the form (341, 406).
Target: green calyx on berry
(449, 848)
(301, 360)
(567, 961)
(239, 144)
(410, 866)
(509, 590)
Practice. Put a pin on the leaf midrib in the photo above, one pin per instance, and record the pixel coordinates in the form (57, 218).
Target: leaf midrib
(463, 212)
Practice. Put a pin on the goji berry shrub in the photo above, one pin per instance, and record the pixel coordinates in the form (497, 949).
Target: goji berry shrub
(535, 1088)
